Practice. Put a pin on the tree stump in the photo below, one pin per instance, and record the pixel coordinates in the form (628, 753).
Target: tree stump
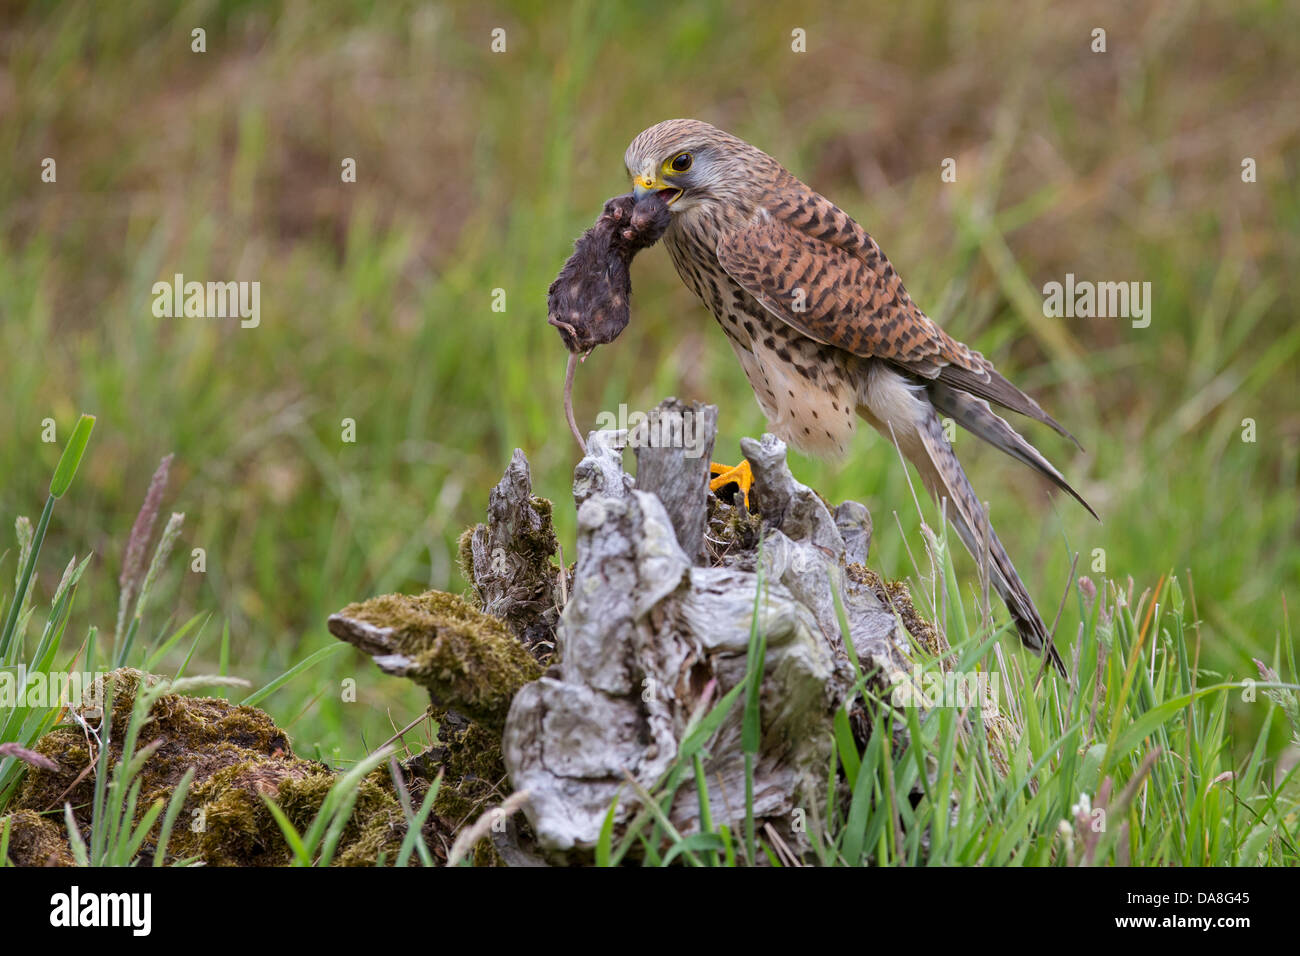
(659, 614)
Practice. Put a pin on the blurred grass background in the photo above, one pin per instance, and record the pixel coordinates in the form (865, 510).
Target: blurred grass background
(475, 170)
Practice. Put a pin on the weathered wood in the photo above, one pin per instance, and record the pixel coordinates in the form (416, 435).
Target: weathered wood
(601, 470)
(654, 629)
(651, 628)
(509, 559)
(673, 448)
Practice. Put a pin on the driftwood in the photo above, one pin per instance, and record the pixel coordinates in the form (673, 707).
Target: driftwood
(588, 678)
(659, 615)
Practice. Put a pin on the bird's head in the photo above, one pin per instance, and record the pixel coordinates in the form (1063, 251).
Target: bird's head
(691, 163)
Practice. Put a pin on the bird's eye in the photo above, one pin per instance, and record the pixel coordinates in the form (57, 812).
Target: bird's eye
(680, 163)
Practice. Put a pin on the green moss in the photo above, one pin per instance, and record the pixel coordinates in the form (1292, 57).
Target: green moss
(469, 757)
(229, 823)
(195, 732)
(537, 545)
(465, 561)
(238, 755)
(485, 854)
(237, 828)
(895, 595)
(473, 779)
(731, 529)
(469, 661)
(36, 840)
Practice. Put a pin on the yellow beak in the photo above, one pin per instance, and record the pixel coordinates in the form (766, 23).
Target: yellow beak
(642, 187)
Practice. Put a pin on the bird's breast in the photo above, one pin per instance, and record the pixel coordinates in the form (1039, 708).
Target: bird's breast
(806, 390)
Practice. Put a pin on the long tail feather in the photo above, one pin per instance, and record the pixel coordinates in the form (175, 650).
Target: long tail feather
(974, 415)
(943, 475)
(997, 389)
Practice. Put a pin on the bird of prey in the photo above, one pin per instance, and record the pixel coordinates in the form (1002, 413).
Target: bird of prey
(826, 333)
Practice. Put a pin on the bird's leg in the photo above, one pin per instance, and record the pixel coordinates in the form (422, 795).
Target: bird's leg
(739, 475)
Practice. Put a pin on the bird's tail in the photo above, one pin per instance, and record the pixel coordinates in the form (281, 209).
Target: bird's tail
(943, 475)
(975, 415)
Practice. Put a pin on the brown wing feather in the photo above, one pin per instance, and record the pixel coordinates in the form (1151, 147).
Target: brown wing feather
(812, 266)
(839, 296)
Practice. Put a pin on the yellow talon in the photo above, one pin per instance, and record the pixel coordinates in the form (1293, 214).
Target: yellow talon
(739, 475)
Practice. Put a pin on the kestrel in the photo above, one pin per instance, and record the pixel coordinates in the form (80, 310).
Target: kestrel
(826, 332)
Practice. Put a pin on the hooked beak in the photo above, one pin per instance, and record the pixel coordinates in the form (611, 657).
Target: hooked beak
(642, 187)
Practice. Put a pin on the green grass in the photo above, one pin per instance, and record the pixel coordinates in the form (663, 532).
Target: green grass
(119, 824)
(24, 720)
(1133, 761)
(1132, 764)
(476, 170)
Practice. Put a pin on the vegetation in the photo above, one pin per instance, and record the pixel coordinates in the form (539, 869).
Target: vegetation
(475, 170)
